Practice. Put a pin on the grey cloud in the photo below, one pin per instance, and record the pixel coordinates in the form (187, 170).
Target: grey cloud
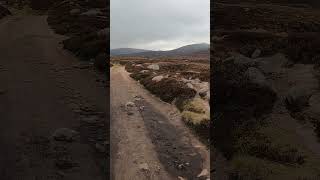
(159, 24)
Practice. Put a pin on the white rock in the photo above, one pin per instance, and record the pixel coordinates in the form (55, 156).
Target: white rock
(154, 67)
(144, 71)
(181, 178)
(157, 78)
(190, 86)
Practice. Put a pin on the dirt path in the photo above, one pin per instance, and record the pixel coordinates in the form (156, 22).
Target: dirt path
(149, 139)
(43, 88)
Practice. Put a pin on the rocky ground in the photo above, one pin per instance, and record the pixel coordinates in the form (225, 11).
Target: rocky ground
(183, 82)
(266, 87)
(86, 23)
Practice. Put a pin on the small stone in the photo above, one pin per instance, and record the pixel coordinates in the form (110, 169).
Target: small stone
(181, 166)
(130, 104)
(144, 167)
(144, 71)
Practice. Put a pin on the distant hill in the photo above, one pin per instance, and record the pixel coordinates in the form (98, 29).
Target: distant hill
(182, 51)
(126, 51)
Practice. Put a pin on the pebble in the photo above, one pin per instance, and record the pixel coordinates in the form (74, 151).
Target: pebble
(144, 167)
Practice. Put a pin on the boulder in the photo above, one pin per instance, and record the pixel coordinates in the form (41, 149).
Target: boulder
(190, 85)
(155, 67)
(157, 78)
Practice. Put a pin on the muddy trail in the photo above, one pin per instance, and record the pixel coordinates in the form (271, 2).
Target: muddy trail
(148, 138)
(53, 108)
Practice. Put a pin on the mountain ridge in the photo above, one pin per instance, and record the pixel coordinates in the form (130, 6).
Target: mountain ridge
(184, 50)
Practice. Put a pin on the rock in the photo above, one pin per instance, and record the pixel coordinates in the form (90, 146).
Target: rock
(190, 86)
(100, 148)
(100, 62)
(138, 65)
(181, 178)
(74, 12)
(181, 166)
(144, 71)
(130, 104)
(157, 78)
(144, 167)
(203, 173)
(65, 134)
(256, 53)
(154, 67)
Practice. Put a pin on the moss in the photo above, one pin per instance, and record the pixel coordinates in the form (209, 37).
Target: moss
(195, 105)
(195, 118)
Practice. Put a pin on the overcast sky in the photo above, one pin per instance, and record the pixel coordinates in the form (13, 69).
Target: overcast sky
(159, 24)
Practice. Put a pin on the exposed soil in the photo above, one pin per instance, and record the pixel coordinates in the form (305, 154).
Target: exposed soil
(44, 88)
(150, 134)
